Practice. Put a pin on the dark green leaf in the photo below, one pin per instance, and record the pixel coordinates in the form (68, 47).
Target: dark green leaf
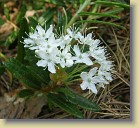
(25, 93)
(24, 29)
(1, 21)
(33, 23)
(101, 22)
(60, 22)
(114, 11)
(2, 69)
(79, 100)
(112, 3)
(58, 2)
(24, 74)
(21, 13)
(46, 17)
(99, 14)
(60, 101)
(32, 60)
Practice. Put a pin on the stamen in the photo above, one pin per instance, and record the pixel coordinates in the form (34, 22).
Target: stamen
(26, 33)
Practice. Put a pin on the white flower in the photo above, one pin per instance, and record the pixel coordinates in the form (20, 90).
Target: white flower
(33, 44)
(65, 57)
(106, 65)
(81, 57)
(89, 80)
(85, 40)
(49, 45)
(47, 60)
(71, 33)
(64, 41)
(55, 50)
(44, 34)
(103, 73)
(97, 53)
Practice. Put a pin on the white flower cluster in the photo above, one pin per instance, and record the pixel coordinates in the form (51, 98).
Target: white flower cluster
(55, 51)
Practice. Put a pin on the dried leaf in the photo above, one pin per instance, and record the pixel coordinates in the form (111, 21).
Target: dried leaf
(14, 108)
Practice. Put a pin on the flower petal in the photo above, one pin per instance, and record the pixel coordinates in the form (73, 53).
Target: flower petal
(40, 30)
(84, 76)
(87, 61)
(42, 63)
(92, 87)
(84, 85)
(92, 72)
(51, 67)
(76, 50)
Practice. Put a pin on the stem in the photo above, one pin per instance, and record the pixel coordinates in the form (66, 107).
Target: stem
(77, 70)
(82, 7)
(74, 81)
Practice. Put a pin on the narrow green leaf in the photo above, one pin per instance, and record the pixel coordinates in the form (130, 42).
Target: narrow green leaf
(1, 21)
(41, 75)
(46, 16)
(25, 93)
(21, 14)
(24, 29)
(6, 13)
(31, 60)
(11, 38)
(114, 11)
(33, 23)
(113, 3)
(101, 22)
(23, 73)
(60, 22)
(79, 100)
(2, 69)
(58, 2)
(60, 101)
(99, 14)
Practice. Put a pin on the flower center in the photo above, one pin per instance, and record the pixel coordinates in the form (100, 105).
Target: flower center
(89, 80)
(49, 60)
(80, 57)
(48, 46)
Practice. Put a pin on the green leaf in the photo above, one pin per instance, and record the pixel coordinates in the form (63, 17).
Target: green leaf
(6, 13)
(81, 1)
(46, 16)
(59, 101)
(31, 60)
(25, 93)
(21, 13)
(11, 38)
(101, 22)
(60, 22)
(114, 11)
(2, 69)
(99, 14)
(32, 23)
(113, 3)
(24, 74)
(24, 29)
(79, 100)
(58, 2)
(30, 56)
(1, 21)
(38, 4)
